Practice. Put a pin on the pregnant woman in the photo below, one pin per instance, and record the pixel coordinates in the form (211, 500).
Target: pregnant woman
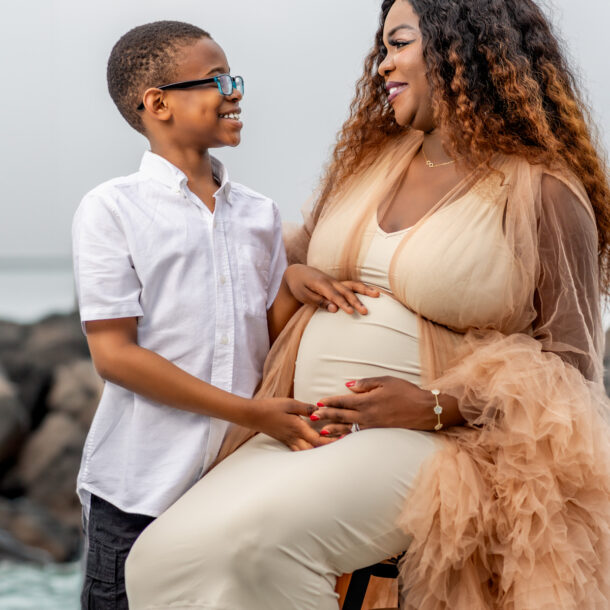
(466, 187)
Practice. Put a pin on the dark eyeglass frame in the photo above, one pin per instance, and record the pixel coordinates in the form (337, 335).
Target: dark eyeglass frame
(237, 82)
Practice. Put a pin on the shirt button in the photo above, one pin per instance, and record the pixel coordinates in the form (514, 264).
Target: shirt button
(223, 279)
(224, 340)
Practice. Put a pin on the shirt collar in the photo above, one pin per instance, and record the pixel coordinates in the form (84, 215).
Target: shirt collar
(221, 175)
(160, 169)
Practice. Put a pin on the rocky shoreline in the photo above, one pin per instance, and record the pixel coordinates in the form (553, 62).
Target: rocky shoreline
(48, 394)
(49, 391)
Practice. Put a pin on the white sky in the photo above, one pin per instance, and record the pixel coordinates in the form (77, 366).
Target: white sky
(61, 134)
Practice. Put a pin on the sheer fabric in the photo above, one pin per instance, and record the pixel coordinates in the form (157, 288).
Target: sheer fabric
(502, 272)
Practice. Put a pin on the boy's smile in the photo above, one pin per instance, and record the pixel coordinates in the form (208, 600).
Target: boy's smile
(201, 116)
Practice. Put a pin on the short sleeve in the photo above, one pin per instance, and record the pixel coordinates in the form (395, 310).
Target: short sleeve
(278, 259)
(567, 296)
(107, 285)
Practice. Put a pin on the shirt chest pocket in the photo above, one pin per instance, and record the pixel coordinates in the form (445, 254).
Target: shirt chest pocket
(253, 274)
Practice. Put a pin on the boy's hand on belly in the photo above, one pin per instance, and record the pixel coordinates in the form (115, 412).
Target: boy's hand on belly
(382, 402)
(280, 418)
(311, 286)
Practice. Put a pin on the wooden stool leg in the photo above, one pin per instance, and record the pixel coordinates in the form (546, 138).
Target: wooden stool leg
(372, 588)
(342, 586)
(357, 589)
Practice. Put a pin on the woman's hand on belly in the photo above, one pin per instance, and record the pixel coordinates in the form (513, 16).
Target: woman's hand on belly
(384, 402)
(311, 286)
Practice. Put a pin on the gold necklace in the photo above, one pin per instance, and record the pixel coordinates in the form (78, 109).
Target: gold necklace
(430, 164)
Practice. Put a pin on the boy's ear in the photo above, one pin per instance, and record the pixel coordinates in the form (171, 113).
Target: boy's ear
(155, 104)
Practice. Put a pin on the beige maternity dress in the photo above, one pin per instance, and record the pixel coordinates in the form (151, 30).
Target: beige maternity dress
(496, 301)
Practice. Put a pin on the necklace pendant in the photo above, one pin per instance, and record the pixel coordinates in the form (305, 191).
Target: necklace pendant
(429, 163)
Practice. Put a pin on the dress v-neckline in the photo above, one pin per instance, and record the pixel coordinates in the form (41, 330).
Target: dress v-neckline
(386, 234)
(472, 177)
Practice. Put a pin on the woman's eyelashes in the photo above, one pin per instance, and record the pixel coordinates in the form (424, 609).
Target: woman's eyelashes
(399, 44)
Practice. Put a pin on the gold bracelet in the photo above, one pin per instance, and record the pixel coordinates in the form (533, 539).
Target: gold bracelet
(437, 410)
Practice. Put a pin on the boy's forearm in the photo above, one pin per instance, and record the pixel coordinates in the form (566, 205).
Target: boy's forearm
(283, 308)
(152, 376)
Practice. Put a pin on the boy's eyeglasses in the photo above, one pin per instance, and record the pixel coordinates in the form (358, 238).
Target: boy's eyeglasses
(225, 83)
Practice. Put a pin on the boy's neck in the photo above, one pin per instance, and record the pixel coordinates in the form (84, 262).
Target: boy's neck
(197, 165)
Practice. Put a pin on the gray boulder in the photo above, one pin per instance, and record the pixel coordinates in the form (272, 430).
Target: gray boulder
(55, 340)
(34, 353)
(14, 420)
(47, 400)
(76, 391)
(48, 465)
(29, 531)
(13, 549)
(12, 338)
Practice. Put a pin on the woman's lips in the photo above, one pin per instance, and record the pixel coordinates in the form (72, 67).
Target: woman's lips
(395, 89)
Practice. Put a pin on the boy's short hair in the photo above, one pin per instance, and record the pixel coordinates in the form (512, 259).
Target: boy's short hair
(145, 57)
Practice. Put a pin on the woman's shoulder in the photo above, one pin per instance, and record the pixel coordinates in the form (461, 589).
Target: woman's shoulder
(563, 191)
(550, 184)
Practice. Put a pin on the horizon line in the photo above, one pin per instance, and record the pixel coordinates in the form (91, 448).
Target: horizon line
(37, 262)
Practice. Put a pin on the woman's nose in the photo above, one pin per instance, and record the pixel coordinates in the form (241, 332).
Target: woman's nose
(386, 66)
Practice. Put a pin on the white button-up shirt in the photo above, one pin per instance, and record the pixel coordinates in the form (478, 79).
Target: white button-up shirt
(200, 284)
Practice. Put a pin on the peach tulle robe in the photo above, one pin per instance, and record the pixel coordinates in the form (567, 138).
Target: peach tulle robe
(502, 272)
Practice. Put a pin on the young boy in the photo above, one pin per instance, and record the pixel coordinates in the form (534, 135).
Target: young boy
(179, 279)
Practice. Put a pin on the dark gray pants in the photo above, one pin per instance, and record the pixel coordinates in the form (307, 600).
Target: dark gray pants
(109, 536)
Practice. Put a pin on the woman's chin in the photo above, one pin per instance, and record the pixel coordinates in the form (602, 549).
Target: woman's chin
(401, 120)
(412, 119)
(404, 116)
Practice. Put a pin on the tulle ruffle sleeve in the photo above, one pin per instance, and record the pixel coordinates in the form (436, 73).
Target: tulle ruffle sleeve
(517, 508)
(567, 296)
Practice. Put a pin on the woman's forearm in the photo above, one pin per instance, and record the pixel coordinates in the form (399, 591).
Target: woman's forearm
(451, 415)
(386, 402)
(415, 410)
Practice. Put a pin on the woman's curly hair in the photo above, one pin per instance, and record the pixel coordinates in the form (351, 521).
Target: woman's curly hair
(500, 83)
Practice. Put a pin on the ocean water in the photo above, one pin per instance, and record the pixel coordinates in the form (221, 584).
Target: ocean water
(28, 293)
(32, 587)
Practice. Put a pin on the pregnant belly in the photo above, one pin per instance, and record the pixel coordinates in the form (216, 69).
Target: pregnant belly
(337, 347)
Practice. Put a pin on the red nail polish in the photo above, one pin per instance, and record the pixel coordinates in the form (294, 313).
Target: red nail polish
(314, 417)
(324, 432)
(320, 404)
(349, 384)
